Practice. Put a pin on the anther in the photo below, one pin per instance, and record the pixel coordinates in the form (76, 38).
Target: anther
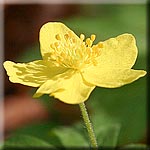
(56, 44)
(82, 37)
(94, 48)
(87, 61)
(100, 45)
(62, 54)
(89, 42)
(74, 40)
(70, 33)
(93, 36)
(57, 36)
(66, 36)
(52, 46)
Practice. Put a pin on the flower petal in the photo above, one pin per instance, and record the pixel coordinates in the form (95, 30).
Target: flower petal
(119, 52)
(111, 78)
(48, 34)
(53, 84)
(71, 90)
(33, 73)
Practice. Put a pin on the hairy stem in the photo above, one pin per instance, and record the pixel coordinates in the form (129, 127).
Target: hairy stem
(88, 125)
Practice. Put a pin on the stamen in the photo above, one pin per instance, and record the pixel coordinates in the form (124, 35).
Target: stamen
(70, 33)
(57, 36)
(68, 52)
(74, 40)
(93, 37)
(52, 46)
(82, 37)
(100, 45)
(89, 50)
(94, 47)
(66, 36)
(89, 42)
(87, 61)
(56, 44)
(63, 55)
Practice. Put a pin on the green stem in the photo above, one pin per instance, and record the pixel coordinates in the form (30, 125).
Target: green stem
(88, 125)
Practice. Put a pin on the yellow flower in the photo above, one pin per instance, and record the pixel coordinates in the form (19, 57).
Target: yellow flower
(72, 66)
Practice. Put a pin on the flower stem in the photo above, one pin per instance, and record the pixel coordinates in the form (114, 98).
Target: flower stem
(88, 125)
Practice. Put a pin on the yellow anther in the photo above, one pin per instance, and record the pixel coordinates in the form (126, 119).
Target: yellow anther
(93, 36)
(82, 37)
(87, 61)
(94, 48)
(57, 36)
(56, 44)
(100, 45)
(74, 40)
(70, 33)
(52, 46)
(89, 42)
(66, 36)
(63, 55)
(67, 51)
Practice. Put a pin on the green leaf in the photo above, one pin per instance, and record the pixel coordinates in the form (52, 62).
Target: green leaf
(26, 141)
(107, 136)
(41, 131)
(134, 146)
(77, 135)
(70, 137)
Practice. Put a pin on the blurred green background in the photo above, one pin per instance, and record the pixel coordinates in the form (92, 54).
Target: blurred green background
(118, 115)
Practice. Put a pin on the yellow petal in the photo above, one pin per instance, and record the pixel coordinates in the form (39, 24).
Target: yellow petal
(119, 52)
(48, 34)
(53, 84)
(32, 74)
(71, 90)
(111, 78)
(75, 90)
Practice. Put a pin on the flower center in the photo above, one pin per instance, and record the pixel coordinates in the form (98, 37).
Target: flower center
(72, 52)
